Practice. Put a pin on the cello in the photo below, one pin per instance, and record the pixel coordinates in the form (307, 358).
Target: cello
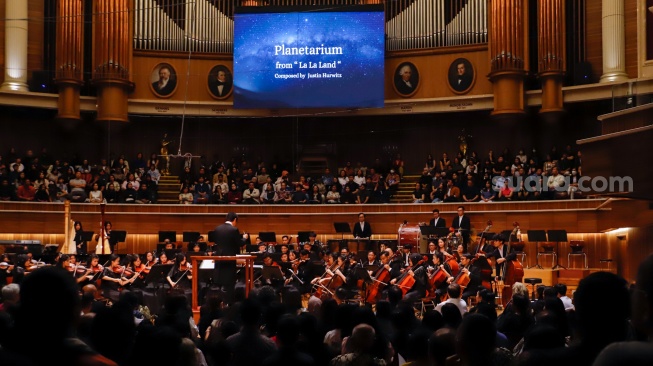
(406, 281)
(381, 278)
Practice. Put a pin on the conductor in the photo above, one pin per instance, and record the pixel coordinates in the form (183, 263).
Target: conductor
(228, 242)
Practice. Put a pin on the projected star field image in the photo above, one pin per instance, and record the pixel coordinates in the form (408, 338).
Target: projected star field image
(309, 60)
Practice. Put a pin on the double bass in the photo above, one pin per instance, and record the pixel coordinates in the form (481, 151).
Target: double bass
(482, 262)
(514, 271)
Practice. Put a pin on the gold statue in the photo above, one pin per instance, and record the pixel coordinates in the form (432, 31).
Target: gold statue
(164, 154)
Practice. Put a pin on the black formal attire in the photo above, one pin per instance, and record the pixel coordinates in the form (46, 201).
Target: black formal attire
(465, 225)
(364, 232)
(500, 268)
(440, 223)
(474, 282)
(226, 88)
(442, 288)
(418, 290)
(462, 82)
(82, 246)
(167, 89)
(228, 241)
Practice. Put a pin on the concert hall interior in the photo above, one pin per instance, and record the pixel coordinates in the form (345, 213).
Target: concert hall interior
(523, 124)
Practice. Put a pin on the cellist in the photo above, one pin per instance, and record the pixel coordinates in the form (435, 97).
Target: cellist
(417, 271)
(474, 274)
(438, 263)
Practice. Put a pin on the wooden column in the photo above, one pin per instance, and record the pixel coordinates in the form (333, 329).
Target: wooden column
(69, 57)
(613, 34)
(112, 51)
(16, 23)
(507, 55)
(551, 53)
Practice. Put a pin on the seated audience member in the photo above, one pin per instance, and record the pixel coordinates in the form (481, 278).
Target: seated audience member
(506, 193)
(347, 196)
(77, 188)
(111, 195)
(283, 195)
(144, 196)
(418, 195)
(26, 191)
(219, 196)
(7, 191)
(360, 343)
(235, 196)
(95, 195)
(251, 195)
(268, 196)
(42, 194)
(363, 196)
(185, 197)
(393, 180)
(455, 292)
(315, 197)
(333, 196)
(470, 192)
(129, 195)
(299, 196)
(202, 192)
(452, 193)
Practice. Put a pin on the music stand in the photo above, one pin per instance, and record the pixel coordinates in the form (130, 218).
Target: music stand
(170, 235)
(210, 236)
(342, 228)
(433, 232)
(536, 236)
(158, 273)
(119, 236)
(171, 253)
(557, 236)
(189, 236)
(268, 236)
(303, 236)
(270, 273)
(87, 236)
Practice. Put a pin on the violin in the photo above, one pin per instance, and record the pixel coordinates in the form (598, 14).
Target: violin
(6, 266)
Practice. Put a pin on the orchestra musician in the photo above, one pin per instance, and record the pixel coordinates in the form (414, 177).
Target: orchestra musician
(437, 221)
(180, 274)
(362, 229)
(112, 278)
(76, 244)
(501, 254)
(418, 272)
(390, 263)
(439, 262)
(371, 259)
(108, 240)
(163, 259)
(474, 274)
(405, 255)
(314, 242)
(462, 226)
(432, 247)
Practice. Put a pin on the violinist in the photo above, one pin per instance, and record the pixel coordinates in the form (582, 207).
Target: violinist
(163, 259)
(95, 268)
(112, 278)
(284, 258)
(414, 290)
(136, 280)
(150, 260)
(180, 275)
(269, 262)
(300, 268)
(313, 241)
(474, 274)
(10, 273)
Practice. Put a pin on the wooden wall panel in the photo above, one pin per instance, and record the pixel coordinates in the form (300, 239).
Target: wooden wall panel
(593, 40)
(35, 13)
(630, 13)
(2, 41)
